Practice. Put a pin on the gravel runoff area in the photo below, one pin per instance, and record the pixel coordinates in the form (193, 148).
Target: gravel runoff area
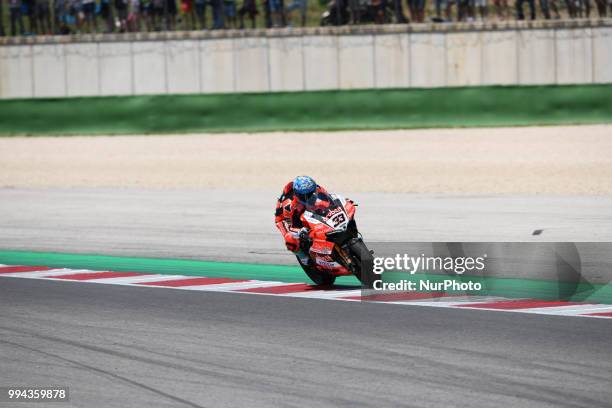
(526, 160)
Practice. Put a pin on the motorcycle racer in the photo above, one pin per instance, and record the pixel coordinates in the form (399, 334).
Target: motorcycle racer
(298, 195)
(319, 228)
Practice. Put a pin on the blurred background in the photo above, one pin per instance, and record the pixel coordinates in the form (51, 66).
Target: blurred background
(44, 17)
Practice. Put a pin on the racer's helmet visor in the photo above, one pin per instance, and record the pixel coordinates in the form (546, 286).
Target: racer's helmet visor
(307, 199)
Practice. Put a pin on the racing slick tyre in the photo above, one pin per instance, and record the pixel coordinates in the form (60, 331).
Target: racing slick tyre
(362, 256)
(318, 277)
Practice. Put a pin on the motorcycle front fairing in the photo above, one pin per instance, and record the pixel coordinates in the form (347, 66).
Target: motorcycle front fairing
(334, 215)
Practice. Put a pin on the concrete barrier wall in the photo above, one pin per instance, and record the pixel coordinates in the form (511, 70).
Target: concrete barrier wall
(308, 59)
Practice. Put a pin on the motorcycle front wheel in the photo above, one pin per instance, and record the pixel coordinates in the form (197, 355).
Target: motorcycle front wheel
(318, 277)
(361, 254)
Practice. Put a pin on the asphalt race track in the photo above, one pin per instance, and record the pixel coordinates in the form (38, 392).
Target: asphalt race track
(135, 347)
(239, 226)
(118, 346)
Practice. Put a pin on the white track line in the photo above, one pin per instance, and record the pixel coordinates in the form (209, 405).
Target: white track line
(444, 301)
(132, 280)
(571, 309)
(47, 273)
(327, 294)
(233, 286)
(423, 303)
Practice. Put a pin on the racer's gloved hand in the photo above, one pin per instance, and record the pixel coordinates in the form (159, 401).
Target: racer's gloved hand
(291, 242)
(304, 234)
(305, 240)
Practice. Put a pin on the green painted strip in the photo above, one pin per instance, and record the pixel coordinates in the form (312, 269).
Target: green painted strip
(505, 287)
(518, 288)
(302, 111)
(162, 266)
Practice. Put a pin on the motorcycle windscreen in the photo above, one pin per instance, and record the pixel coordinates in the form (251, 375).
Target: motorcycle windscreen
(317, 202)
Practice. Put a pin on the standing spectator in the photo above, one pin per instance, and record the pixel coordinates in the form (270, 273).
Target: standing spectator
(189, 17)
(470, 11)
(157, 17)
(546, 6)
(1, 19)
(28, 7)
(275, 12)
(146, 14)
(398, 10)
(106, 12)
(133, 18)
(89, 15)
(571, 8)
(463, 9)
(267, 14)
(230, 13)
(449, 9)
(15, 17)
(43, 16)
(283, 16)
(380, 7)
(412, 9)
(354, 12)
(583, 8)
(481, 5)
(501, 8)
(421, 4)
(59, 16)
(519, 9)
(170, 14)
(248, 7)
(417, 10)
(200, 9)
(602, 7)
(302, 6)
(121, 7)
(75, 14)
(217, 6)
(442, 7)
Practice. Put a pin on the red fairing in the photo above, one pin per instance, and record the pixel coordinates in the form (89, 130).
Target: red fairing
(321, 249)
(349, 206)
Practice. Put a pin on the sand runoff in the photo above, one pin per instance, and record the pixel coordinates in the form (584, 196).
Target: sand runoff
(547, 160)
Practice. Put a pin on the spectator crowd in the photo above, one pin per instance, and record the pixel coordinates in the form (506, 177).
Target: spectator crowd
(31, 17)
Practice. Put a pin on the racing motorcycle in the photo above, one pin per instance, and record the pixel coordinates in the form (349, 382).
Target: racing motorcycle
(332, 242)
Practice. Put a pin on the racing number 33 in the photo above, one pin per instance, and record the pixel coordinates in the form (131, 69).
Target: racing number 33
(337, 220)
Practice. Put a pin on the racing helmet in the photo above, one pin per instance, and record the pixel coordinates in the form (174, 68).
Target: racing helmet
(305, 190)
